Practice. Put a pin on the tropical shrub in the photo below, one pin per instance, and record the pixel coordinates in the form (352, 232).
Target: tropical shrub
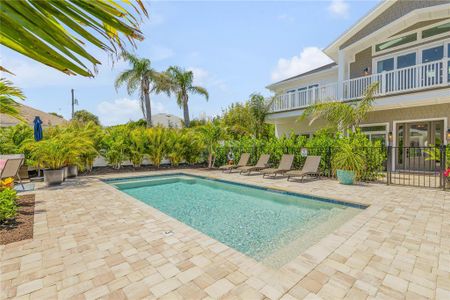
(8, 204)
(136, 147)
(94, 133)
(114, 145)
(176, 143)
(156, 144)
(12, 138)
(212, 134)
(192, 146)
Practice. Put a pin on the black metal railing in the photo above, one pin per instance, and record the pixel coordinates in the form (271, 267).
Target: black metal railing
(408, 166)
(417, 166)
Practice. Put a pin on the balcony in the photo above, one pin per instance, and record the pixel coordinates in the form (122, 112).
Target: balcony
(411, 79)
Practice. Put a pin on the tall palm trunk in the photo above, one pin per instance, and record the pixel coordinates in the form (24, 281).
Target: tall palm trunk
(147, 103)
(148, 109)
(187, 121)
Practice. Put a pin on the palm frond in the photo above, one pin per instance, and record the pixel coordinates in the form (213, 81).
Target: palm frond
(55, 32)
(366, 103)
(199, 90)
(8, 96)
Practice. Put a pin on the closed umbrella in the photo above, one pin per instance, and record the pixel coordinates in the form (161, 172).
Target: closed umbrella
(38, 134)
(37, 128)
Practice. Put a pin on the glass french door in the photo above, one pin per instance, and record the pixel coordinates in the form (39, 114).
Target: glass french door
(414, 140)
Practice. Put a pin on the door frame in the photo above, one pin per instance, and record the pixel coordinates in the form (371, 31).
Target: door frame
(394, 131)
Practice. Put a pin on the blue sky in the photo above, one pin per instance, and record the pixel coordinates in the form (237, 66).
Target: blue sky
(233, 48)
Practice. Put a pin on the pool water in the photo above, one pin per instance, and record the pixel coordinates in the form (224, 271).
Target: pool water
(269, 226)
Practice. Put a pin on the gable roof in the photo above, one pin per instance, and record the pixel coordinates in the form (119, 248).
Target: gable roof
(382, 15)
(313, 71)
(28, 113)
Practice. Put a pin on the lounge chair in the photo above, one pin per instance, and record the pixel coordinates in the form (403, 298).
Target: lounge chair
(310, 168)
(261, 164)
(243, 161)
(11, 167)
(284, 166)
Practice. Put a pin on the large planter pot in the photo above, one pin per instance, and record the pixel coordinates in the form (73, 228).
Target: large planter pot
(53, 177)
(65, 172)
(72, 171)
(346, 177)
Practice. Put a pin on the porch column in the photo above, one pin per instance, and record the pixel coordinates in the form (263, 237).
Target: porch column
(341, 72)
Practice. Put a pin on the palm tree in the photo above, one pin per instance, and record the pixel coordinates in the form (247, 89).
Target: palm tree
(343, 116)
(55, 33)
(8, 95)
(182, 86)
(145, 79)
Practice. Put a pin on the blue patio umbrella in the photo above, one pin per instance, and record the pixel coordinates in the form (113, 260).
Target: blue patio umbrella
(37, 128)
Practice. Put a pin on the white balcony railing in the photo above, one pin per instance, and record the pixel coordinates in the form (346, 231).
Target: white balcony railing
(410, 79)
(304, 98)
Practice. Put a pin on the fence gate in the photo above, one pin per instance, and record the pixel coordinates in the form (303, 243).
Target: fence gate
(416, 166)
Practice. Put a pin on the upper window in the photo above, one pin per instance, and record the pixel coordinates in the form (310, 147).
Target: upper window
(436, 30)
(407, 60)
(432, 54)
(396, 42)
(385, 65)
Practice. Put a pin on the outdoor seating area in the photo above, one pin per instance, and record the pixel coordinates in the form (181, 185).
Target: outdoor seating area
(310, 167)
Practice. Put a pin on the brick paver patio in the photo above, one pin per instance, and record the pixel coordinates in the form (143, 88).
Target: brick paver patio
(92, 241)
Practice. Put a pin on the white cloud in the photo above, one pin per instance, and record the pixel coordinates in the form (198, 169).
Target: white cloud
(310, 58)
(203, 78)
(158, 52)
(122, 110)
(339, 8)
(200, 75)
(286, 18)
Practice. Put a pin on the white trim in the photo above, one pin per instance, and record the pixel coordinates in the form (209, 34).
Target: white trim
(394, 130)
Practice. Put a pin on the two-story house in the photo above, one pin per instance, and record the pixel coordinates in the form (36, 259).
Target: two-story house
(405, 46)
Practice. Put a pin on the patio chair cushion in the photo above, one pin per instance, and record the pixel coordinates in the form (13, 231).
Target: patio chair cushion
(2, 163)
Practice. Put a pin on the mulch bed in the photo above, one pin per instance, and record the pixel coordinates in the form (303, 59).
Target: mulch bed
(22, 227)
(131, 169)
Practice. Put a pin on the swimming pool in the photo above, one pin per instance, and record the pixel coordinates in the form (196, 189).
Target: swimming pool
(269, 226)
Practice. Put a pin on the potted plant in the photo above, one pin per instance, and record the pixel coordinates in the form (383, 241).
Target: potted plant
(72, 171)
(49, 154)
(348, 164)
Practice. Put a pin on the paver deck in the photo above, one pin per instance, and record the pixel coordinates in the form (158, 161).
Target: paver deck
(92, 241)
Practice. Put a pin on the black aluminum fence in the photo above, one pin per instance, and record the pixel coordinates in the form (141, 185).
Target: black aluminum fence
(417, 166)
(408, 166)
